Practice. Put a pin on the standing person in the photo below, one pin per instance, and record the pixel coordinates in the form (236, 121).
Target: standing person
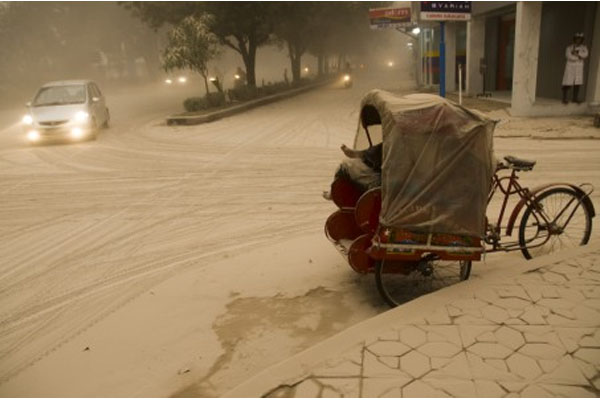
(576, 53)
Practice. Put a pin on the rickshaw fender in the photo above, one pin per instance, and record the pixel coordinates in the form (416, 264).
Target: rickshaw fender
(540, 189)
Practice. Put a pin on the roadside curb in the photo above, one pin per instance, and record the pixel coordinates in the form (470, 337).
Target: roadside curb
(213, 116)
(296, 368)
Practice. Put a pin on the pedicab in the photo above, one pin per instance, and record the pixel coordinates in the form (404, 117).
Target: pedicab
(420, 223)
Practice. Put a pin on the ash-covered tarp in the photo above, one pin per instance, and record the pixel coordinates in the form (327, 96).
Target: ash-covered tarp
(437, 166)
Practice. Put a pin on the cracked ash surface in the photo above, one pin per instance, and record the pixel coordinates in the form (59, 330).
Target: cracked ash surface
(533, 335)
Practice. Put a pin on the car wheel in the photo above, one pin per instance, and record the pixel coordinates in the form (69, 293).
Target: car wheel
(106, 123)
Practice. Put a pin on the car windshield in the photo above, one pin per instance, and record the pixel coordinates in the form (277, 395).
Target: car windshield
(60, 95)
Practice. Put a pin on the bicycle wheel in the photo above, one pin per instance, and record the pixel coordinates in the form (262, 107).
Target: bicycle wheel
(567, 223)
(398, 283)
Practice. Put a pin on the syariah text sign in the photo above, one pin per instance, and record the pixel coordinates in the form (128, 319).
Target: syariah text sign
(445, 11)
(389, 17)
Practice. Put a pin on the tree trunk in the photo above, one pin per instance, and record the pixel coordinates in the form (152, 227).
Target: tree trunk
(295, 59)
(251, 64)
(206, 87)
(320, 63)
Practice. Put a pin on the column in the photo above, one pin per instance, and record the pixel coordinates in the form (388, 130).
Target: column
(593, 86)
(450, 33)
(527, 43)
(475, 51)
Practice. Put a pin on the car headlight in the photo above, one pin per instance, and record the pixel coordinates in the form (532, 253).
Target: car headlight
(27, 119)
(81, 116)
(33, 136)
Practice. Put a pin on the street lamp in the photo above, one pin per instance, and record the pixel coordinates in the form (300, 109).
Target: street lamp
(390, 63)
(416, 30)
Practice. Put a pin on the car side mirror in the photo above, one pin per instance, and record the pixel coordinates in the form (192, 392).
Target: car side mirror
(95, 99)
(28, 104)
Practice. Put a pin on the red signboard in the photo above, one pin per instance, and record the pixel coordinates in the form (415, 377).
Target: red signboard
(389, 17)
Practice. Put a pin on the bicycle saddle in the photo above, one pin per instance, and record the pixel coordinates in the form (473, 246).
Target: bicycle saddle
(519, 163)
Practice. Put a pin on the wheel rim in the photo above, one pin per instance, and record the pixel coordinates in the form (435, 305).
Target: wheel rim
(397, 288)
(541, 238)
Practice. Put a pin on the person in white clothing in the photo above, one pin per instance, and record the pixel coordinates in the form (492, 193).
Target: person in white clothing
(576, 53)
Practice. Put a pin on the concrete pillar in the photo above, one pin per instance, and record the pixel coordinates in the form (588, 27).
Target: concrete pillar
(450, 33)
(527, 43)
(593, 86)
(475, 51)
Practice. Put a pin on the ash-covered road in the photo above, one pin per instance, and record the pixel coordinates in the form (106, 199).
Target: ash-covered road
(86, 228)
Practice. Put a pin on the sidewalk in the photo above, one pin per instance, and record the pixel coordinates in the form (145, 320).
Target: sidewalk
(531, 329)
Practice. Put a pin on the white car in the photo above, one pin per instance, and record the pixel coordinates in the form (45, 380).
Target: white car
(66, 110)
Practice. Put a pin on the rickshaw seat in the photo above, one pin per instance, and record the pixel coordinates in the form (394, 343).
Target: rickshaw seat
(519, 164)
(344, 193)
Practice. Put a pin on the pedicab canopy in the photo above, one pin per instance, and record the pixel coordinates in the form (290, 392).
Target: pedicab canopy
(438, 162)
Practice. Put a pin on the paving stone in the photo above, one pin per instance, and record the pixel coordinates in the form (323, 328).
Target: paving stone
(280, 392)
(570, 338)
(374, 368)
(470, 320)
(586, 315)
(495, 314)
(340, 368)
(415, 364)
(497, 364)
(307, 388)
(346, 387)
(589, 341)
(587, 369)
(388, 348)
(453, 311)
(556, 304)
(469, 334)
(591, 292)
(458, 367)
(533, 316)
(376, 387)
(469, 304)
(565, 313)
(329, 393)
(535, 391)
(574, 295)
(487, 295)
(509, 337)
(454, 387)
(413, 336)
(567, 391)
(481, 370)
(523, 366)
(392, 362)
(439, 317)
(534, 292)
(487, 337)
(394, 393)
(596, 383)
(542, 351)
(488, 389)
(552, 277)
(548, 365)
(513, 386)
(439, 362)
(355, 354)
(419, 389)
(592, 303)
(565, 373)
(390, 334)
(515, 313)
(513, 291)
(515, 321)
(592, 356)
(433, 349)
(550, 292)
(513, 303)
(558, 320)
(490, 350)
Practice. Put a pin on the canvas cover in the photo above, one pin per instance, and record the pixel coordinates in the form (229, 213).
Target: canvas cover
(437, 166)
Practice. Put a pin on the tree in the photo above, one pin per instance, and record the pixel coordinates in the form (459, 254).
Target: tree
(242, 26)
(191, 46)
(294, 24)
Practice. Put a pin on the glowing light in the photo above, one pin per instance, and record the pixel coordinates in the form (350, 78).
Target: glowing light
(409, 44)
(416, 30)
(33, 136)
(182, 79)
(212, 79)
(76, 133)
(390, 63)
(27, 119)
(305, 69)
(346, 78)
(81, 116)
(168, 81)
(236, 76)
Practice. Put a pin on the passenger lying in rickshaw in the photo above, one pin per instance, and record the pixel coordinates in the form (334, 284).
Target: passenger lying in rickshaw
(362, 168)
